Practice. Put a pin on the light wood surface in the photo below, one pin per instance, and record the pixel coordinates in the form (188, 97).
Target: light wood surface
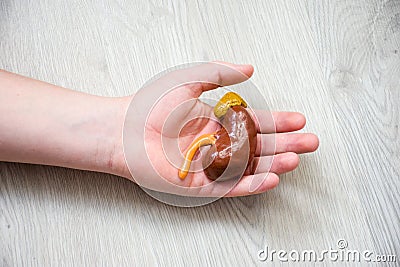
(338, 62)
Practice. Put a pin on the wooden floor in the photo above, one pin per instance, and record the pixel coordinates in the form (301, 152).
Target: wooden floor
(338, 62)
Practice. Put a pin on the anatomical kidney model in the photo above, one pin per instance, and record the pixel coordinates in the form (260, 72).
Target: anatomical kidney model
(232, 147)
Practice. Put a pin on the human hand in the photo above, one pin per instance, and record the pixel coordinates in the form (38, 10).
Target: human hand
(162, 122)
(56, 126)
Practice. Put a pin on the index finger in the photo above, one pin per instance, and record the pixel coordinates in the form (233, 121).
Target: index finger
(277, 122)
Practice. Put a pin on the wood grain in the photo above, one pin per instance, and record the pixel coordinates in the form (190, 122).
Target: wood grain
(334, 61)
(358, 45)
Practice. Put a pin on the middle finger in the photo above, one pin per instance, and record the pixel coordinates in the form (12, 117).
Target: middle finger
(271, 144)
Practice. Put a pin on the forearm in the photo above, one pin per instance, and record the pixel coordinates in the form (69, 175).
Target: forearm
(45, 124)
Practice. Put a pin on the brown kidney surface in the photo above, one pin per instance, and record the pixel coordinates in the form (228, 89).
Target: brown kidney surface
(235, 146)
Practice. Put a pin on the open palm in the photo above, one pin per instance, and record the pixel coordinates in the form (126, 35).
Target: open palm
(171, 116)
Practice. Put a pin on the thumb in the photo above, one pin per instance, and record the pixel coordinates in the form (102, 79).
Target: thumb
(217, 74)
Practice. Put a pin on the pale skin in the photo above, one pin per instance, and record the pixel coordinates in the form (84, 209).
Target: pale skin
(49, 125)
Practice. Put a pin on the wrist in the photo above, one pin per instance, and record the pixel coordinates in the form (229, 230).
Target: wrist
(110, 158)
